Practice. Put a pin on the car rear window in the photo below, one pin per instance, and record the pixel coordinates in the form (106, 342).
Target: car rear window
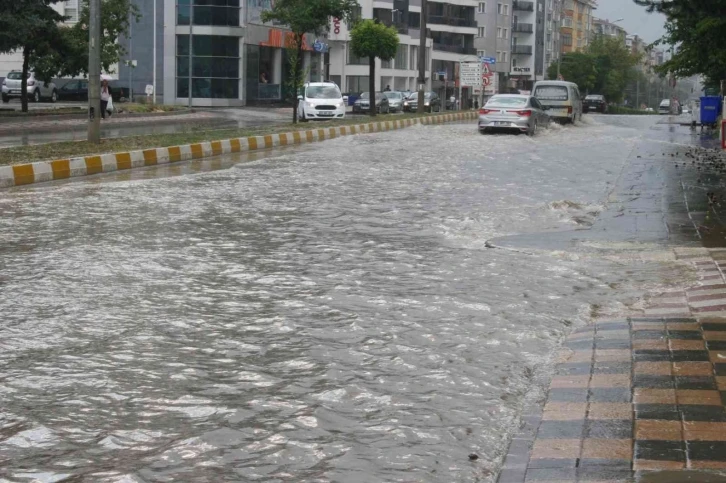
(507, 101)
(16, 75)
(551, 93)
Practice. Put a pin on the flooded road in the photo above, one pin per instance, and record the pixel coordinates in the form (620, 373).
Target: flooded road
(330, 314)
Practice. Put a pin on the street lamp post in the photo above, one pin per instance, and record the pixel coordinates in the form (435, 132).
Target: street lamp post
(422, 59)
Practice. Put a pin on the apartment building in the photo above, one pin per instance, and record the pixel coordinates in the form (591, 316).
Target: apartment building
(535, 42)
(606, 27)
(401, 73)
(494, 36)
(453, 29)
(576, 24)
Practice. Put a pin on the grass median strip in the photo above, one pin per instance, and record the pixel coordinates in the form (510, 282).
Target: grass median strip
(71, 149)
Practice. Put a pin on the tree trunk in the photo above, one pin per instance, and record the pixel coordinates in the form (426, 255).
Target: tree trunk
(372, 84)
(24, 80)
(297, 73)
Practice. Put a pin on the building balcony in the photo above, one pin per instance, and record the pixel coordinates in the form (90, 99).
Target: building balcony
(522, 49)
(457, 49)
(525, 28)
(521, 6)
(451, 21)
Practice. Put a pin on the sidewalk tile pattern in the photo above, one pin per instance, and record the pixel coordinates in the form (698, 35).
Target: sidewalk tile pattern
(642, 394)
(23, 174)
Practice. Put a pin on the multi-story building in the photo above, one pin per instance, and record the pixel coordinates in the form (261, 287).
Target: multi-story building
(401, 73)
(552, 32)
(453, 27)
(576, 24)
(536, 40)
(494, 29)
(606, 27)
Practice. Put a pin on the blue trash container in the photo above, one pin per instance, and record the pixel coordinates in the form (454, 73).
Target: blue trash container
(710, 110)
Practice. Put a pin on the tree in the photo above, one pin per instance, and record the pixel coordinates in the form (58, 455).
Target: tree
(69, 58)
(615, 66)
(577, 67)
(371, 39)
(32, 27)
(303, 17)
(696, 27)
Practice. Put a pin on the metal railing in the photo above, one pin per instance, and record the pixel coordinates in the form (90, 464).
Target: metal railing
(526, 28)
(523, 6)
(453, 21)
(457, 49)
(522, 49)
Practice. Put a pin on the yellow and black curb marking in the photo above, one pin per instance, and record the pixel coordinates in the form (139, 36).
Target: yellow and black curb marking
(42, 171)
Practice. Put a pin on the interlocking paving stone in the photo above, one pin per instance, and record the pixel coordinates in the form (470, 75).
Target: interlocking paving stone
(636, 396)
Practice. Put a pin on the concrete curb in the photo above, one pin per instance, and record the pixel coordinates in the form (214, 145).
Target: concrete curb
(43, 171)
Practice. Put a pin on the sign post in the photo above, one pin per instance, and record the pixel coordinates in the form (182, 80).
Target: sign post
(470, 75)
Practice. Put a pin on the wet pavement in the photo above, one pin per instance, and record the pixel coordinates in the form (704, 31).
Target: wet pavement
(326, 313)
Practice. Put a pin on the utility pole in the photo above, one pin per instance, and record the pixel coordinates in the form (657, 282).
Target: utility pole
(422, 58)
(94, 72)
(637, 93)
(153, 69)
(191, 47)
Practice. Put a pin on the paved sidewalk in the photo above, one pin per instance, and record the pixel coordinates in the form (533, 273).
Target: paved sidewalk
(49, 124)
(636, 397)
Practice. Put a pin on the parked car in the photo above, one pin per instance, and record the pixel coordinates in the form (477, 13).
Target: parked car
(37, 90)
(363, 104)
(320, 101)
(595, 102)
(395, 101)
(77, 90)
(561, 99)
(513, 112)
(432, 102)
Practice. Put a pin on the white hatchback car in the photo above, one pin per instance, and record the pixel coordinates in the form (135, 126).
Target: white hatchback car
(37, 90)
(320, 101)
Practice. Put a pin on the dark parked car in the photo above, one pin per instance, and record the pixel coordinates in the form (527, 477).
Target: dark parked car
(432, 102)
(363, 104)
(595, 102)
(77, 90)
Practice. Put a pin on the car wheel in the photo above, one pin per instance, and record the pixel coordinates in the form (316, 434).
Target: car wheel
(533, 131)
(54, 96)
(36, 95)
(302, 117)
(6, 99)
(483, 131)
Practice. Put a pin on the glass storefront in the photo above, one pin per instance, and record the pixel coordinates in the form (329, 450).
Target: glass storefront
(224, 13)
(215, 67)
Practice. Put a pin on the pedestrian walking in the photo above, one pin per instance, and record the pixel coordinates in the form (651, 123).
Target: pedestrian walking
(387, 89)
(105, 97)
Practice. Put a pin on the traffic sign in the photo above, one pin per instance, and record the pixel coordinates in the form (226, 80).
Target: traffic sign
(470, 74)
(488, 60)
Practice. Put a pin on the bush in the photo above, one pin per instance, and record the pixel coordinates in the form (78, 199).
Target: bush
(629, 111)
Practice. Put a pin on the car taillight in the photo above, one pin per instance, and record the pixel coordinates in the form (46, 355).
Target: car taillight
(569, 110)
(521, 113)
(485, 111)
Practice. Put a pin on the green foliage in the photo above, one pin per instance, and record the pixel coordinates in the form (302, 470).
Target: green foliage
(32, 27)
(606, 68)
(69, 58)
(302, 17)
(697, 27)
(369, 38)
(577, 67)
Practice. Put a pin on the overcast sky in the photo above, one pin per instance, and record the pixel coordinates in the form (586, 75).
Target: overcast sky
(636, 20)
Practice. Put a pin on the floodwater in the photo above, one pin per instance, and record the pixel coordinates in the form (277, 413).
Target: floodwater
(329, 314)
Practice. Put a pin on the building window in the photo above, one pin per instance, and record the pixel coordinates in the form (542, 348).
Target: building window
(514, 62)
(223, 13)
(481, 53)
(481, 32)
(413, 59)
(501, 56)
(499, 32)
(352, 59)
(500, 8)
(506, 34)
(357, 83)
(402, 57)
(482, 7)
(504, 56)
(567, 40)
(567, 22)
(386, 64)
(215, 67)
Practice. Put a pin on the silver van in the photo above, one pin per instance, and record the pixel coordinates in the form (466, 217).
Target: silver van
(561, 100)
